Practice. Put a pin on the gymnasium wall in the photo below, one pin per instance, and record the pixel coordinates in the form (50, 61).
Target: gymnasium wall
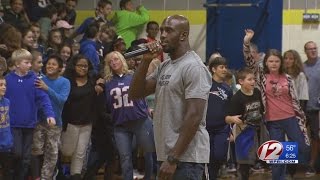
(295, 33)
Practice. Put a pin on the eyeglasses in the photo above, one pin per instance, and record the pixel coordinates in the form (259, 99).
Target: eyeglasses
(82, 66)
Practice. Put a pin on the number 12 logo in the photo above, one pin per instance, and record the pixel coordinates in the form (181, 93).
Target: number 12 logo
(270, 150)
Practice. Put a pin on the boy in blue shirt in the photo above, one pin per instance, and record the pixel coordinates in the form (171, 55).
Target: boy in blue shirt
(6, 143)
(46, 137)
(25, 100)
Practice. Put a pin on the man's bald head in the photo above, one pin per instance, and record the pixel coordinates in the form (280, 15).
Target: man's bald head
(181, 23)
(175, 35)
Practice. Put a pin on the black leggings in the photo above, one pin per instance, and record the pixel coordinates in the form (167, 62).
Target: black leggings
(7, 162)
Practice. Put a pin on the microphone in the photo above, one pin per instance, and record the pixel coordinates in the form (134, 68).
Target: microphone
(137, 52)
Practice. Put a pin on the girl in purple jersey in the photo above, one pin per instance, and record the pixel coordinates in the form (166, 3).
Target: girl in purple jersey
(131, 117)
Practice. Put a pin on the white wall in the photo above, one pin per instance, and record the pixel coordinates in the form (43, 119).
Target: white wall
(295, 36)
(198, 40)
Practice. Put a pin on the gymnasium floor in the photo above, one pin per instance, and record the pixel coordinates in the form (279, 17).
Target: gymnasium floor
(255, 176)
(267, 176)
(300, 175)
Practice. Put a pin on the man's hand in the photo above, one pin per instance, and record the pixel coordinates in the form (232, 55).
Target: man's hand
(100, 81)
(154, 49)
(233, 119)
(51, 121)
(98, 89)
(236, 119)
(41, 85)
(247, 38)
(167, 170)
(99, 86)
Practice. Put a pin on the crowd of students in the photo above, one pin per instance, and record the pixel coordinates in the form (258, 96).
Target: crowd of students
(64, 97)
(56, 84)
(274, 101)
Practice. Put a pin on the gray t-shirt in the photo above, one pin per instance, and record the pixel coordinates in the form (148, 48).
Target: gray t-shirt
(312, 73)
(178, 80)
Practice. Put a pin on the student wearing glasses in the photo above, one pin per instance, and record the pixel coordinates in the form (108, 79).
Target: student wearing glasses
(78, 112)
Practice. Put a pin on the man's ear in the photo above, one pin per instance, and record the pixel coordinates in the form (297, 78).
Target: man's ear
(184, 35)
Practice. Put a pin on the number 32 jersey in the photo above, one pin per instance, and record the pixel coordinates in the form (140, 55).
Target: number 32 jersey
(118, 103)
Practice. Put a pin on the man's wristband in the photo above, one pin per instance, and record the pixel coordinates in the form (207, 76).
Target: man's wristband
(172, 160)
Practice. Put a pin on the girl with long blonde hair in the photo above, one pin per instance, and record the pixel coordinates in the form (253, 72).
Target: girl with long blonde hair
(108, 71)
(131, 117)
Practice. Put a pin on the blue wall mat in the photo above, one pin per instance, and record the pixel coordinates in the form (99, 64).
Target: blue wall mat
(227, 19)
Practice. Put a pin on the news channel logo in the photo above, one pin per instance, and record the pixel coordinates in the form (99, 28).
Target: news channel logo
(275, 152)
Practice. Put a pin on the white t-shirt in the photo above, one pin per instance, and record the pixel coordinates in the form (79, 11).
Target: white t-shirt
(301, 86)
(178, 80)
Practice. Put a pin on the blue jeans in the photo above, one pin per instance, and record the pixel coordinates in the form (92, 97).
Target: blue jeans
(187, 171)
(290, 127)
(22, 143)
(219, 144)
(143, 131)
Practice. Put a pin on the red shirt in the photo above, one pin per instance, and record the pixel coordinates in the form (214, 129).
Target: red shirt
(279, 102)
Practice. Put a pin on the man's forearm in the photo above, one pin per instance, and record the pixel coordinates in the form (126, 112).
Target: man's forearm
(138, 84)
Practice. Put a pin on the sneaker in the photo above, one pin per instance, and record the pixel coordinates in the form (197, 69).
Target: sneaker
(137, 175)
(55, 174)
(310, 171)
(289, 177)
(231, 168)
(223, 171)
(257, 168)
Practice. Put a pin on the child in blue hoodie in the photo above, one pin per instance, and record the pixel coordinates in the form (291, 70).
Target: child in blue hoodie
(25, 100)
(46, 138)
(6, 141)
(88, 46)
